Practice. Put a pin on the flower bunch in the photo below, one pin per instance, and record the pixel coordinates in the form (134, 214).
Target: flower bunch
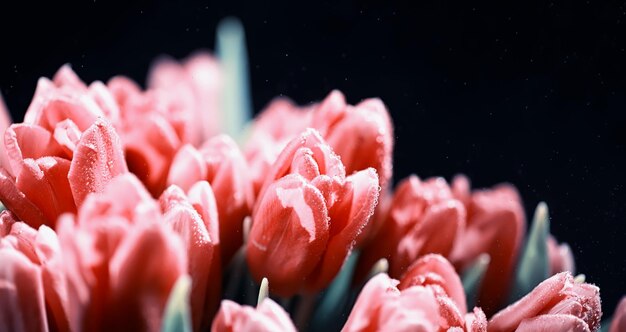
(130, 209)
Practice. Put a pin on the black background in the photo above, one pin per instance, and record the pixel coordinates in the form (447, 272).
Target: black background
(533, 93)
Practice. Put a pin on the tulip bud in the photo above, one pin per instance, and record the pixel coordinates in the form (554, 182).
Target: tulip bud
(308, 216)
(557, 303)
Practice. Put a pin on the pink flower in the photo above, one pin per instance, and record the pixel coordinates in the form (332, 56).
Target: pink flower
(125, 251)
(361, 135)
(266, 317)
(618, 322)
(63, 151)
(194, 217)
(424, 217)
(176, 109)
(192, 89)
(429, 298)
(558, 303)
(307, 216)
(496, 226)
(220, 162)
(121, 262)
(560, 256)
(31, 278)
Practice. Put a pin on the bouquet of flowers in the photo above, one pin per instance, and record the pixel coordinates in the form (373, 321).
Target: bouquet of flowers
(164, 208)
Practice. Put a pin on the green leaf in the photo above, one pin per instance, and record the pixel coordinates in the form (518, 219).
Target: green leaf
(177, 317)
(473, 278)
(236, 104)
(330, 307)
(534, 264)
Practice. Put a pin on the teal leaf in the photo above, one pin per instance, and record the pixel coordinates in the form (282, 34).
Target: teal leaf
(177, 317)
(236, 104)
(328, 313)
(534, 264)
(473, 277)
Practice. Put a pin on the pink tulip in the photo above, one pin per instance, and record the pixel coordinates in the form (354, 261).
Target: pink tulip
(420, 304)
(192, 90)
(560, 256)
(221, 163)
(308, 216)
(194, 217)
(31, 278)
(151, 135)
(361, 135)
(121, 262)
(267, 317)
(618, 322)
(435, 271)
(63, 151)
(496, 226)
(557, 303)
(423, 218)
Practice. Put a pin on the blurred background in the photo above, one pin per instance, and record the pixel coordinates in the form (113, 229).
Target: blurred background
(531, 93)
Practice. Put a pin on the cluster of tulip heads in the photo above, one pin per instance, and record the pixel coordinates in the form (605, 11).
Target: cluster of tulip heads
(127, 209)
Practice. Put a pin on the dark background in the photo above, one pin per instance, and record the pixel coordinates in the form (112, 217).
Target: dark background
(532, 93)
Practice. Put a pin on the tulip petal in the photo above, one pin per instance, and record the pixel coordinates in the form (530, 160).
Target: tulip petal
(378, 290)
(143, 271)
(228, 174)
(97, 159)
(177, 316)
(45, 183)
(348, 218)
(289, 234)
(436, 232)
(185, 221)
(618, 321)
(25, 141)
(549, 323)
(187, 168)
(124, 196)
(22, 306)
(436, 270)
(17, 202)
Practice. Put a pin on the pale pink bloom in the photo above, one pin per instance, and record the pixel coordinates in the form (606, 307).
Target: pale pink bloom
(558, 303)
(192, 89)
(31, 278)
(121, 262)
(495, 225)
(424, 217)
(560, 256)
(618, 322)
(266, 317)
(63, 151)
(419, 304)
(220, 162)
(307, 216)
